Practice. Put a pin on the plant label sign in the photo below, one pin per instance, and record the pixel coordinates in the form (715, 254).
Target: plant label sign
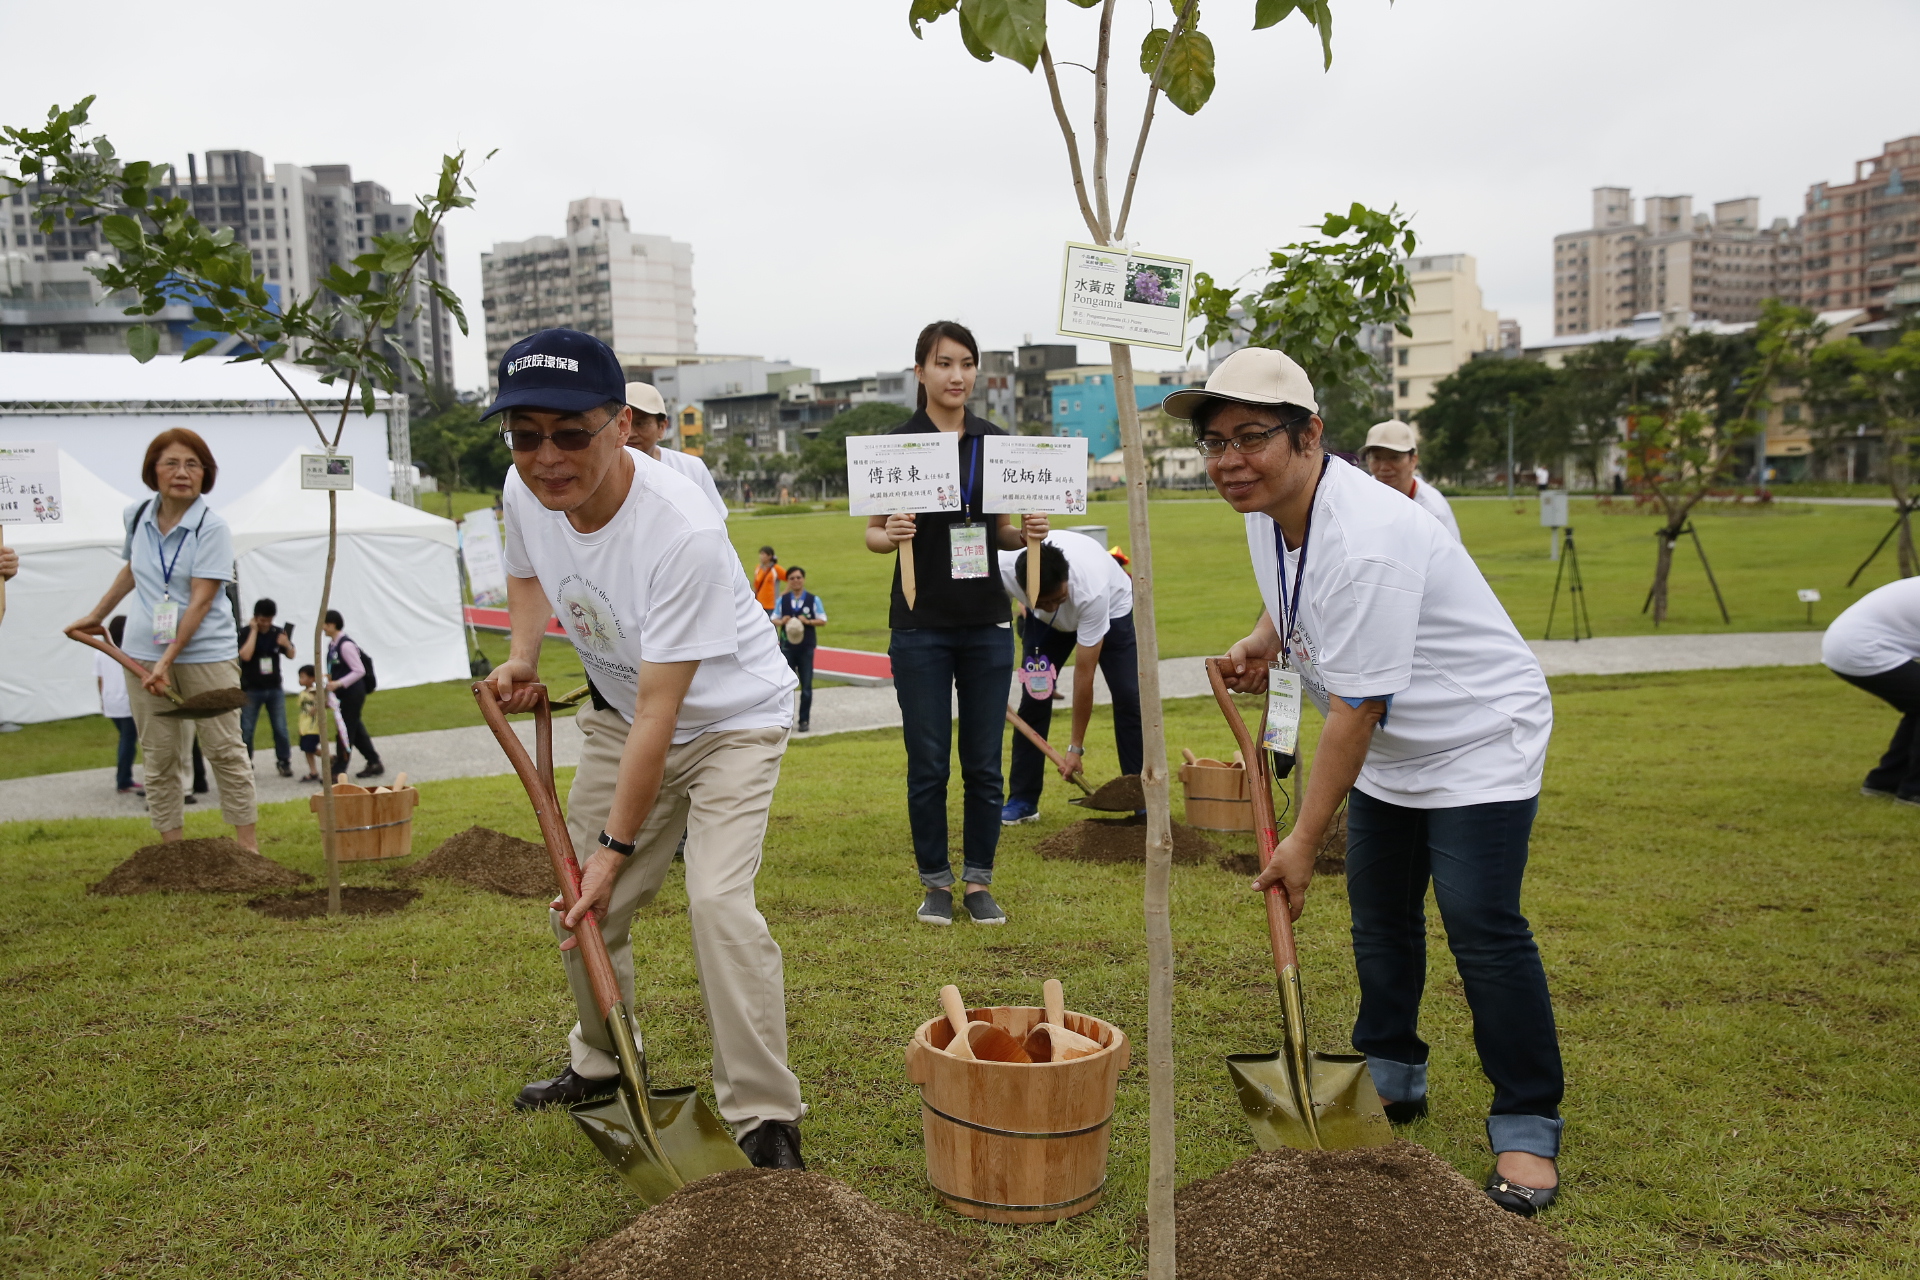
(326, 471)
(887, 475)
(1112, 295)
(480, 550)
(1553, 508)
(30, 484)
(1035, 473)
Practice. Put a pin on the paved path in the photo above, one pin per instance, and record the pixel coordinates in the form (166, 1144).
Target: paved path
(472, 752)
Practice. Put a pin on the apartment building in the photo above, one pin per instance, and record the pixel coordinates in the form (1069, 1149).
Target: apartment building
(1862, 235)
(1450, 325)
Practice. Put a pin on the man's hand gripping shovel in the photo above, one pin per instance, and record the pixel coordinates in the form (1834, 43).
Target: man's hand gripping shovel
(656, 1139)
(1295, 1096)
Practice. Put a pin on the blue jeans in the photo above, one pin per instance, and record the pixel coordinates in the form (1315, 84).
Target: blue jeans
(1475, 855)
(275, 701)
(129, 739)
(1120, 664)
(929, 665)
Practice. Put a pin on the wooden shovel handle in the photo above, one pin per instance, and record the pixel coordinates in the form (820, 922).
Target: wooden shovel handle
(1046, 749)
(538, 780)
(909, 589)
(1279, 917)
(114, 651)
(956, 1011)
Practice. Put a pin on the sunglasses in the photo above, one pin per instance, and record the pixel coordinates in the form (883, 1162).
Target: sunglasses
(567, 439)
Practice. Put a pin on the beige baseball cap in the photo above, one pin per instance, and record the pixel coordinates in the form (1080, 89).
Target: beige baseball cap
(645, 398)
(1392, 434)
(1252, 375)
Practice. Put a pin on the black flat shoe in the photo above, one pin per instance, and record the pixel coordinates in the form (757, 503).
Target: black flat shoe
(564, 1090)
(1514, 1198)
(1405, 1112)
(774, 1144)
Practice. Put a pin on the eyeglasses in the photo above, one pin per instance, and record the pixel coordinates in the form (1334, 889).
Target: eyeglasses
(177, 464)
(1247, 442)
(567, 439)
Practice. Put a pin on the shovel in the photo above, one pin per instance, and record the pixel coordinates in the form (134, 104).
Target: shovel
(1046, 749)
(1295, 1096)
(201, 706)
(656, 1139)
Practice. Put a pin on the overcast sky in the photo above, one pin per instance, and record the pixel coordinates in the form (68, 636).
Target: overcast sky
(842, 183)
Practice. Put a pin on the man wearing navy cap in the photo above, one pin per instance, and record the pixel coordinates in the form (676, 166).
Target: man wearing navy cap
(692, 702)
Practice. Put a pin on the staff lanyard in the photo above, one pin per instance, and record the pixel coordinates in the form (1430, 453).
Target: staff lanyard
(1290, 623)
(160, 548)
(966, 494)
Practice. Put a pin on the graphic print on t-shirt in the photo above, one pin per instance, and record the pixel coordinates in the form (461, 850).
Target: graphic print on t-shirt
(591, 623)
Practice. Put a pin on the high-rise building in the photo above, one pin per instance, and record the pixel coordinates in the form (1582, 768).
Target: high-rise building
(1860, 237)
(1033, 400)
(1450, 326)
(633, 292)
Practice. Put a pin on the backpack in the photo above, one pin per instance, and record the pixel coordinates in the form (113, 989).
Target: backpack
(338, 667)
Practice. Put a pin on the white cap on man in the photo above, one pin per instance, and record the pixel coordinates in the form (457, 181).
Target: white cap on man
(1252, 375)
(1392, 434)
(645, 398)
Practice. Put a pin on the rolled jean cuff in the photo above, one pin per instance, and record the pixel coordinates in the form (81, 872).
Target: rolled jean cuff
(941, 879)
(977, 875)
(1398, 1081)
(1535, 1135)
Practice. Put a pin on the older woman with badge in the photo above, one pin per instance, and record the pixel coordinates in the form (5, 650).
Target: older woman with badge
(1437, 720)
(180, 624)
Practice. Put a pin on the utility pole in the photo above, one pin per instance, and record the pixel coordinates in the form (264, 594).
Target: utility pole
(1509, 448)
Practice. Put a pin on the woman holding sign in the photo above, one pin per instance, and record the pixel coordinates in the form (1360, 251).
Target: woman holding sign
(952, 636)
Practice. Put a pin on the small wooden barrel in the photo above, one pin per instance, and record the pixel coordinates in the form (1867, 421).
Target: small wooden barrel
(1218, 798)
(1017, 1142)
(370, 826)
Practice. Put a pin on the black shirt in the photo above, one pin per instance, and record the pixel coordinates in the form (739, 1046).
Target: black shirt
(265, 645)
(941, 600)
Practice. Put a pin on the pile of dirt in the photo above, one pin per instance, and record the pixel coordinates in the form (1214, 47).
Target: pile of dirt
(215, 864)
(488, 859)
(1397, 1211)
(1122, 840)
(747, 1224)
(354, 901)
(1124, 794)
(1330, 861)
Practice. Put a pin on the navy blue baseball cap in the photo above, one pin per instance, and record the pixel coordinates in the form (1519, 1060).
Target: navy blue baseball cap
(561, 370)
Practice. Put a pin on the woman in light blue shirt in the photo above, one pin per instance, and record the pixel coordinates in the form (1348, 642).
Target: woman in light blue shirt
(180, 625)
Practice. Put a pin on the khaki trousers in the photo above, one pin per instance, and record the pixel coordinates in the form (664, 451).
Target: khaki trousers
(717, 789)
(167, 744)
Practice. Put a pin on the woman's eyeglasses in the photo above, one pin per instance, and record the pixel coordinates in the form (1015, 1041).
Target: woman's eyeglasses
(1247, 442)
(567, 439)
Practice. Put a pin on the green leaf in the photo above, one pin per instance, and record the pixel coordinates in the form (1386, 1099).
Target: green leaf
(1150, 49)
(1084, 4)
(1187, 74)
(121, 231)
(143, 343)
(1267, 13)
(199, 348)
(1320, 14)
(973, 41)
(136, 173)
(927, 11)
(1011, 28)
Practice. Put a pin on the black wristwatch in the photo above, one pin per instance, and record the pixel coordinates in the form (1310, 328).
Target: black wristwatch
(622, 847)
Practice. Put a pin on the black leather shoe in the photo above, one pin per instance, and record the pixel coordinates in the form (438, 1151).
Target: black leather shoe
(563, 1090)
(1514, 1198)
(373, 770)
(774, 1144)
(1405, 1112)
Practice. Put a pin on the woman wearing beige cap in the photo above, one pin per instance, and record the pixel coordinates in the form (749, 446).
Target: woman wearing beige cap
(1437, 720)
(1392, 454)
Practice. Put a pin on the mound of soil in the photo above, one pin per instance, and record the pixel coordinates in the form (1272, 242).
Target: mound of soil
(488, 859)
(214, 864)
(1121, 840)
(1397, 1211)
(354, 901)
(1124, 794)
(747, 1224)
(1330, 861)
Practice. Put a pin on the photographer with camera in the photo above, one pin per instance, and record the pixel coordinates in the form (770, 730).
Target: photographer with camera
(262, 645)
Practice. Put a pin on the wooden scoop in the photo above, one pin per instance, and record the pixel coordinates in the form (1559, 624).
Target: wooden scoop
(1051, 1041)
(979, 1041)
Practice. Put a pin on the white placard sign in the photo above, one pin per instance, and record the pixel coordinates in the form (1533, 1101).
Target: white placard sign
(30, 484)
(889, 474)
(1036, 474)
(326, 471)
(1139, 299)
(1553, 508)
(480, 549)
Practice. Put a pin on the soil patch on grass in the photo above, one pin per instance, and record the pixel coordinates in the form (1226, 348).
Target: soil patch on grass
(747, 1224)
(354, 901)
(213, 864)
(490, 860)
(1123, 795)
(1330, 861)
(1121, 840)
(1397, 1211)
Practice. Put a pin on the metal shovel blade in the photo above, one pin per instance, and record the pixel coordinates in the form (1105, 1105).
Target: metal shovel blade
(1346, 1110)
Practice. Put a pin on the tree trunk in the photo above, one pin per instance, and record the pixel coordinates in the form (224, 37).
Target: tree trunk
(1159, 871)
(1662, 569)
(1900, 476)
(328, 840)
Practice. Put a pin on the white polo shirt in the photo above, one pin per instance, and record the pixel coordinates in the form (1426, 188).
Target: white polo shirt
(1393, 605)
(1876, 633)
(1429, 497)
(695, 470)
(659, 583)
(1098, 589)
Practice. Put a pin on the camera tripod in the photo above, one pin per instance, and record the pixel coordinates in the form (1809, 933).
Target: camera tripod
(1576, 591)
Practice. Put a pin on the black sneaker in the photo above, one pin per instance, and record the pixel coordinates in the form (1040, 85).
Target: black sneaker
(774, 1144)
(564, 1090)
(937, 908)
(373, 770)
(1877, 793)
(982, 909)
(804, 727)
(284, 769)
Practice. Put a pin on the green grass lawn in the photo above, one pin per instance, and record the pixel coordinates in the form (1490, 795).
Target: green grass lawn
(1730, 931)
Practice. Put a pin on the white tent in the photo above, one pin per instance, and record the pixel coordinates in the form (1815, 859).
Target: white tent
(395, 580)
(64, 570)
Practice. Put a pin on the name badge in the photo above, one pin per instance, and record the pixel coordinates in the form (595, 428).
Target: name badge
(969, 542)
(266, 666)
(1282, 733)
(166, 622)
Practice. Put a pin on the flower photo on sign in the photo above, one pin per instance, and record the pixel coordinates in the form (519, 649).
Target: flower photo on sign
(1157, 286)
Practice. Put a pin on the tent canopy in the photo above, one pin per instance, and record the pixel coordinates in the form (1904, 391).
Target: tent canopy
(278, 509)
(32, 378)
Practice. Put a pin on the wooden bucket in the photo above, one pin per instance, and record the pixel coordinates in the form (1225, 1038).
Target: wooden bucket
(1017, 1142)
(370, 826)
(1218, 798)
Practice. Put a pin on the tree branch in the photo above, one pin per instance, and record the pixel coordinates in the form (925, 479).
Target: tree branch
(1146, 120)
(1100, 117)
(1073, 146)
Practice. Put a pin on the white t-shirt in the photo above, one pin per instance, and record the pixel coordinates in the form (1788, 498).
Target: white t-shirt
(695, 470)
(659, 583)
(1098, 589)
(114, 704)
(1877, 632)
(1429, 497)
(1393, 605)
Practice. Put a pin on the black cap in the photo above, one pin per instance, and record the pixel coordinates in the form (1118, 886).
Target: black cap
(562, 370)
